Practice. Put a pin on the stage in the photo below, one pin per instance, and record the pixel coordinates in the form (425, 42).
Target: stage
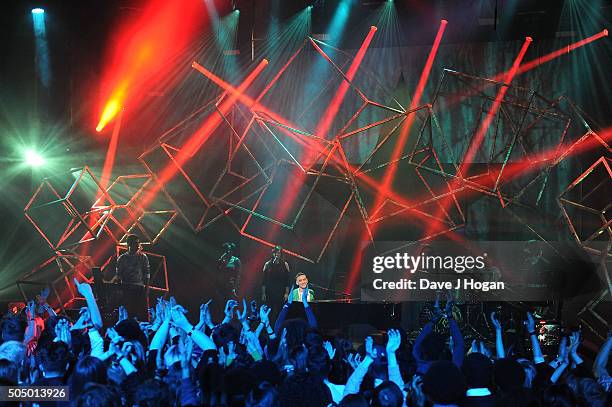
(340, 131)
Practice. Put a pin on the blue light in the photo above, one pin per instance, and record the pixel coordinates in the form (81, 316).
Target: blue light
(43, 68)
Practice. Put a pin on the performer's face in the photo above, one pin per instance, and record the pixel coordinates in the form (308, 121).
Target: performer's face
(302, 281)
(133, 246)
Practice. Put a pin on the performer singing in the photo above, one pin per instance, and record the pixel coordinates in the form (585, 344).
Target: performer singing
(134, 273)
(302, 281)
(276, 280)
(229, 267)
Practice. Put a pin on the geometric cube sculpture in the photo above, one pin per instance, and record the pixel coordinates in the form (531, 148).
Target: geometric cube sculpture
(151, 225)
(129, 217)
(56, 273)
(525, 125)
(596, 314)
(64, 209)
(585, 205)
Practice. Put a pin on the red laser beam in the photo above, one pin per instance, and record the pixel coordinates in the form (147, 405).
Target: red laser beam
(486, 123)
(326, 121)
(402, 139)
(193, 144)
(195, 141)
(331, 111)
(530, 65)
(257, 106)
(407, 125)
(484, 126)
(141, 51)
(107, 170)
(291, 185)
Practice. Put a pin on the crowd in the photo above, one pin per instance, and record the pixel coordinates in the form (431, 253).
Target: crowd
(248, 360)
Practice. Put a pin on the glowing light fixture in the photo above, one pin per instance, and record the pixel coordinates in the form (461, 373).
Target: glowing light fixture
(33, 159)
(38, 10)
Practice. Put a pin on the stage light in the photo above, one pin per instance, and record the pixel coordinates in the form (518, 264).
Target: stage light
(43, 67)
(237, 11)
(605, 32)
(33, 159)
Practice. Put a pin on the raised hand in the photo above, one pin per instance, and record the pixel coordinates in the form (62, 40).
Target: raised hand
(126, 348)
(448, 308)
(305, 296)
(393, 341)
(495, 321)
(84, 320)
(203, 308)
(416, 388)
(475, 346)
(437, 301)
(563, 354)
(530, 323)
(331, 351)
(371, 351)
(281, 352)
(436, 313)
(230, 307)
(116, 344)
(62, 331)
(205, 314)
(290, 298)
(484, 349)
(179, 319)
(152, 315)
(30, 310)
(123, 314)
(264, 314)
(242, 315)
(222, 357)
(160, 314)
(83, 288)
(574, 342)
(353, 359)
(42, 297)
(573, 347)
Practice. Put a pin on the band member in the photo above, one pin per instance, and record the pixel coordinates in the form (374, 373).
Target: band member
(133, 265)
(229, 267)
(302, 282)
(134, 273)
(276, 280)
